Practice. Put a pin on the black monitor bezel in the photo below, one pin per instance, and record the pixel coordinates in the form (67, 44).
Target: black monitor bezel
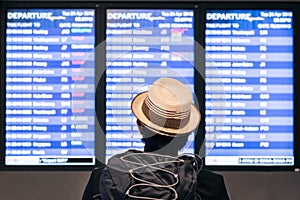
(151, 5)
(38, 5)
(262, 6)
(199, 30)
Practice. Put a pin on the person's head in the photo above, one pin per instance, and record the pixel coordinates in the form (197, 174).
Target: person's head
(165, 115)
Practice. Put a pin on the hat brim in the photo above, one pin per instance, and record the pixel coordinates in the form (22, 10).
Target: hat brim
(136, 107)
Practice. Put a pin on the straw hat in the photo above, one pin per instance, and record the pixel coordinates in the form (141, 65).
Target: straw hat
(167, 108)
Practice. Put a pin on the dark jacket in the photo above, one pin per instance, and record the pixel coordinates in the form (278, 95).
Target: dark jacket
(154, 176)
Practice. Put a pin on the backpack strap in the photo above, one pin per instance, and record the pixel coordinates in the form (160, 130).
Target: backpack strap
(92, 191)
(97, 195)
(108, 188)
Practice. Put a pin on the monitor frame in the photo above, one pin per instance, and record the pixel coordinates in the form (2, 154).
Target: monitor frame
(200, 9)
(153, 6)
(39, 5)
(204, 7)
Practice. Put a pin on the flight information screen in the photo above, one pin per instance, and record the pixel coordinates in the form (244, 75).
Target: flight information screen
(249, 87)
(143, 45)
(50, 87)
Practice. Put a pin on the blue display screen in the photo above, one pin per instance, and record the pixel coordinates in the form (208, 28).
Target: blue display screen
(249, 87)
(50, 87)
(143, 45)
(50, 82)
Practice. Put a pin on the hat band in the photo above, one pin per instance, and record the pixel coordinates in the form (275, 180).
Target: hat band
(166, 122)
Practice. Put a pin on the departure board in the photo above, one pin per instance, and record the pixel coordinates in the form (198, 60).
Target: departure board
(143, 45)
(249, 88)
(50, 87)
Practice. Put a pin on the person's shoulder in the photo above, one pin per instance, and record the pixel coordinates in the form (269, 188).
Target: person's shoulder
(207, 174)
(211, 186)
(130, 151)
(210, 178)
(120, 155)
(91, 189)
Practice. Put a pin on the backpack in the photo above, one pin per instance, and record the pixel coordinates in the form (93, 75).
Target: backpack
(137, 175)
